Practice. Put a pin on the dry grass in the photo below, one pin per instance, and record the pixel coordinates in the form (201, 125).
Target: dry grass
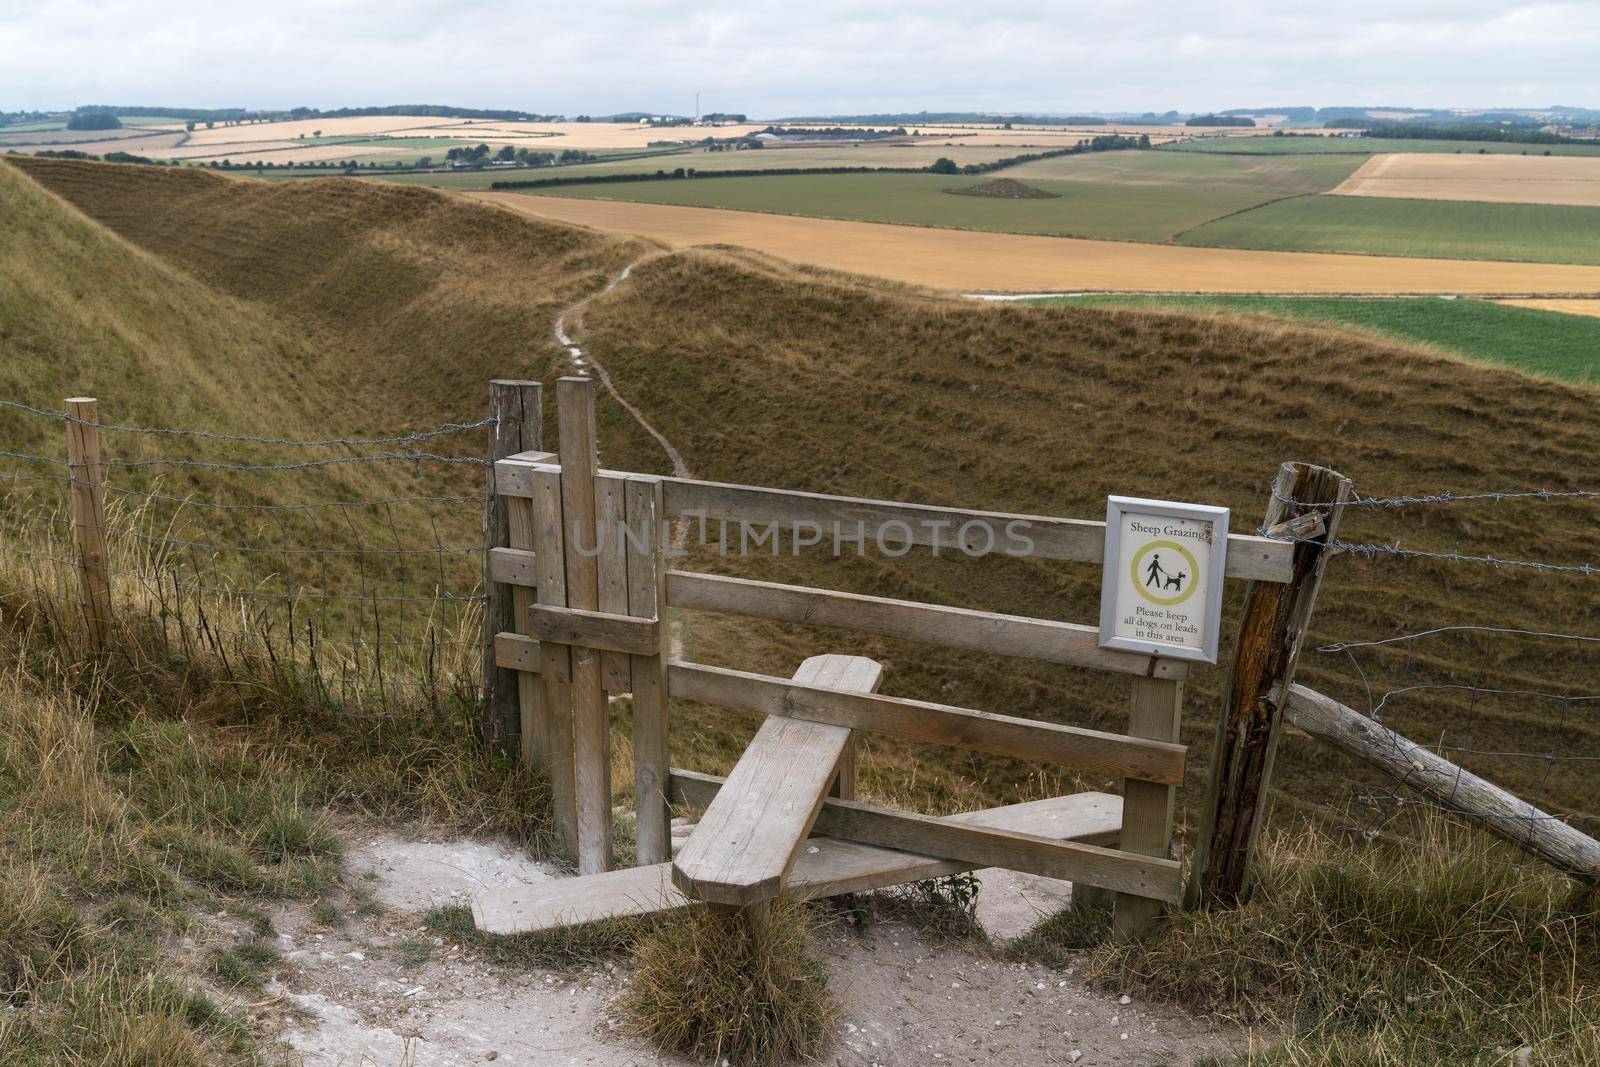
(743, 986)
(1371, 956)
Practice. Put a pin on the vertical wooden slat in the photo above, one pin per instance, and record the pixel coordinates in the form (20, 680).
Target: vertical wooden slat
(554, 720)
(610, 514)
(647, 598)
(591, 737)
(1308, 502)
(89, 517)
(1155, 711)
(515, 407)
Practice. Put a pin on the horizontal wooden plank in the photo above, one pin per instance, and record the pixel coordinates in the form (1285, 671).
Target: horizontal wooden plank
(826, 867)
(956, 529)
(520, 653)
(1046, 537)
(594, 629)
(980, 631)
(513, 566)
(916, 720)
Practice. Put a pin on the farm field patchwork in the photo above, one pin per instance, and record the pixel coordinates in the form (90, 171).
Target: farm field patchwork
(1016, 263)
(1535, 233)
(1528, 337)
(1081, 208)
(1566, 307)
(1504, 179)
(1371, 145)
(1282, 174)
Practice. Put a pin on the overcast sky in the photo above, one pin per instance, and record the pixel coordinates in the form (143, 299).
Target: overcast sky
(817, 57)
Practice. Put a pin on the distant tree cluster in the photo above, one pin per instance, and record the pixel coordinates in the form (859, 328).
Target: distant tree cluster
(1469, 133)
(93, 120)
(1220, 120)
(481, 154)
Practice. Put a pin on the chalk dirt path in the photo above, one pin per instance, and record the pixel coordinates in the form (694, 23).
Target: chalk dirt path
(999, 262)
(357, 995)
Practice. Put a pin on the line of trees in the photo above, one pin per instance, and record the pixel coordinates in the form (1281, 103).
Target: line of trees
(1402, 130)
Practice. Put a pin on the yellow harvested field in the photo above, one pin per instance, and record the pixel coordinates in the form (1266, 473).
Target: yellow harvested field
(1010, 263)
(1566, 307)
(551, 134)
(1497, 178)
(157, 147)
(314, 153)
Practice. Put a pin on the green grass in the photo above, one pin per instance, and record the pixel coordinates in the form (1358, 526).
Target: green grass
(1325, 145)
(1547, 343)
(1105, 210)
(1537, 233)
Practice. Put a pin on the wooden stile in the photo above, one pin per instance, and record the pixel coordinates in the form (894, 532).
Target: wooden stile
(1276, 618)
(851, 673)
(621, 635)
(515, 407)
(610, 516)
(591, 753)
(89, 518)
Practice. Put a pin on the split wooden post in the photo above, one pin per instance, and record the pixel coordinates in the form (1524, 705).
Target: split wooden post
(1156, 709)
(1307, 503)
(590, 732)
(553, 709)
(515, 407)
(647, 598)
(89, 517)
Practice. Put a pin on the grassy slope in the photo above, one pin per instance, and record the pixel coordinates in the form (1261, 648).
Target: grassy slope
(1548, 343)
(1084, 209)
(1539, 233)
(1336, 145)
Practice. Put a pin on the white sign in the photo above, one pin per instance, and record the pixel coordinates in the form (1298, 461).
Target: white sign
(1161, 590)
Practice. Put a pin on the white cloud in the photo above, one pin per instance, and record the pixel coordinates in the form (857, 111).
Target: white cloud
(771, 59)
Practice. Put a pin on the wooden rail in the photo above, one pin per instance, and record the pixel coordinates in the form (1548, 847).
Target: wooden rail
(941, 724)
(1075, 540)
(1454, 788)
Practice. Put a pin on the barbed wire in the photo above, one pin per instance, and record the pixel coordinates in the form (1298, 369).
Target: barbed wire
(1445, 497)
(210, 435)
(1374, 551)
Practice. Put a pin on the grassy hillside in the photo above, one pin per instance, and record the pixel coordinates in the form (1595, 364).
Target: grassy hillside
(1534, 233)
(1549, 343)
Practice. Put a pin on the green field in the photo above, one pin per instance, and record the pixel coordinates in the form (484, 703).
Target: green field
(1541, 233)
(1273, 146)
(1106, 210)
(1547, 343)
(1284, 174)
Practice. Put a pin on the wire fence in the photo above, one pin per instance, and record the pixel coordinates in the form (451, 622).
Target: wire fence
(1511, 696)
(354, 563)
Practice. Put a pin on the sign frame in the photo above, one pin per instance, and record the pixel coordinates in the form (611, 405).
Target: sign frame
(1111, 575)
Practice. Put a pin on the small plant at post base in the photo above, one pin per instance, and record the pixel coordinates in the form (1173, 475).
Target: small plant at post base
(745, 986)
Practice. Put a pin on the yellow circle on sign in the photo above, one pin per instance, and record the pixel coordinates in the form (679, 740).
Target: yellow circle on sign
(1186, 580)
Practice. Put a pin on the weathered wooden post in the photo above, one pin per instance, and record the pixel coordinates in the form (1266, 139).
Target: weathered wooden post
(516, 408)
(1307, 503)
(647, 598)
(89, 517)
(1155, 711)
(591, 752)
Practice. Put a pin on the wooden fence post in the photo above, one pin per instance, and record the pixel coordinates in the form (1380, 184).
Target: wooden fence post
(1155, 710)
(647, 597)
(89, 517)
(507, 521)
(591, 752)
(1307, 502)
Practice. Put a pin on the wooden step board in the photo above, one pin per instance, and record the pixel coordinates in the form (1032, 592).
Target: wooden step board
(753, 831)
(834, 867)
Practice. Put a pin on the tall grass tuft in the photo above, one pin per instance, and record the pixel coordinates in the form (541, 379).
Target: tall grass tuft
(743, 986)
